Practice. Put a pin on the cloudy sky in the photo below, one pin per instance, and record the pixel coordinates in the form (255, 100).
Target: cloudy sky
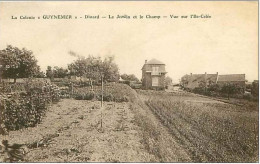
(226, 43)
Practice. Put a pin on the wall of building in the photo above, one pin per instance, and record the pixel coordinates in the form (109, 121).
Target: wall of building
(149, 67)
(147, 77)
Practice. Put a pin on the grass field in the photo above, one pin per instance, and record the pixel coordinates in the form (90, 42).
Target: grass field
(210, 131)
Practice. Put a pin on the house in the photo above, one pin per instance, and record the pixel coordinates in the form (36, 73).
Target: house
(153, 74)
(193, 81)
(237, 79)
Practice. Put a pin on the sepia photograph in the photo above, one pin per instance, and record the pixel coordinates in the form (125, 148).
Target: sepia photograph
(129, 81)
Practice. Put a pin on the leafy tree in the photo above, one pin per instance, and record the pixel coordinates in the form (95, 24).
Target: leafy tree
(110, 70)
(40, 74)
(18, 63)
(59, 72)
(93, 68)
(130, 77)
(49, 72)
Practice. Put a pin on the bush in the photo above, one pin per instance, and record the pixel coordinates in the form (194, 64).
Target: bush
(85, 96)
(112, 92)
(106, 97)
(199, 90)
(122, 99)
(26, 108)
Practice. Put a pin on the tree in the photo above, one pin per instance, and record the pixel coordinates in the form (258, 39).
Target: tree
(49, 72)
(93, 68)
(110, 70)
(40, 74)
(255, 88)
(168, 81)
(130, 77)
(230, 89)
(59, 72)
(18, 63)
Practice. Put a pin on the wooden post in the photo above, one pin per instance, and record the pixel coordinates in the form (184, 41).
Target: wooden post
(102, 100)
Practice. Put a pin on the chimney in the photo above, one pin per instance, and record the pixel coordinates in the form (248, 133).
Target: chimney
(145, 61)
(190, 74)
(217, 78)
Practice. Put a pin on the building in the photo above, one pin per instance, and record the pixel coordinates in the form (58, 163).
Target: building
(193, 81)
(153, 74)
(237, 79)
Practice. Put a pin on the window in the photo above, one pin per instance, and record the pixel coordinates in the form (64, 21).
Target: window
(155, 81)
(155, 70)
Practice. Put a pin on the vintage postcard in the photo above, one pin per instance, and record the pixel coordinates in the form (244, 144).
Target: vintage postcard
(129, 81)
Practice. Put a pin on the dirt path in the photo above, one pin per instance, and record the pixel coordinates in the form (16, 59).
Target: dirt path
(71, 132)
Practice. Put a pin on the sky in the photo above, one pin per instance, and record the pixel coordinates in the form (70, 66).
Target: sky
(226, 43)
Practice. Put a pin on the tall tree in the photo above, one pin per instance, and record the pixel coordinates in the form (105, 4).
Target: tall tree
(93, 68)
(18, 63)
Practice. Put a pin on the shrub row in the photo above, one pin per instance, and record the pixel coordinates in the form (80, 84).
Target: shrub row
(112, 92)
(27, 107)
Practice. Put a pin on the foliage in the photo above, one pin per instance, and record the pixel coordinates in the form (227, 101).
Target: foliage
(84, 96)
(199, 90)
(49, 72)
(255, 89)
(213, 89)
(112, 92)
(106, 97)
(93, 68)
(130, 77)
(231, 89)
(168, 80)
(57, 72)
(27, 107)
(18, 63)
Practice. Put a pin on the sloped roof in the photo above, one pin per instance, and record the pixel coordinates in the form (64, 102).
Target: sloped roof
(154, 61)
(232, 77)
(195, 79)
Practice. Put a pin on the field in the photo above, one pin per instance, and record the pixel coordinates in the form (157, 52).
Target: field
(147, 126)
(209, 130)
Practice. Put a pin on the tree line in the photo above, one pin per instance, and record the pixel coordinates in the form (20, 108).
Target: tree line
(21, 63)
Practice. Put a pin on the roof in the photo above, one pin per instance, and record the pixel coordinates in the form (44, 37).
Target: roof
(195, 79)
(201, 77)
(232, 77)
(154, 61)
